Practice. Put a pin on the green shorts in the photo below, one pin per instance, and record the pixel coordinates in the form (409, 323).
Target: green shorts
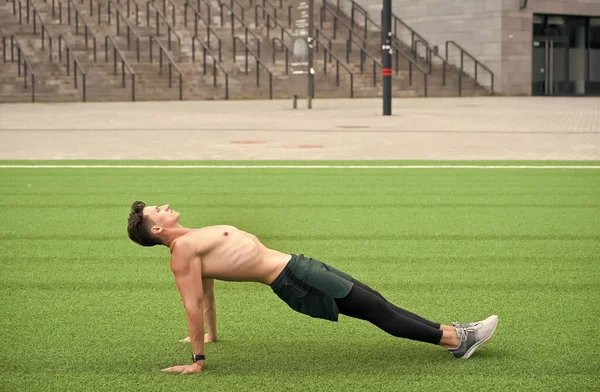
(310, 287)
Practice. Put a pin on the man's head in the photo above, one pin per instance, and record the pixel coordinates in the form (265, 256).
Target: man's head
(147, 224)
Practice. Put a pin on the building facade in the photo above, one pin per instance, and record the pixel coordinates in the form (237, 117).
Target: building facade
(533, 47)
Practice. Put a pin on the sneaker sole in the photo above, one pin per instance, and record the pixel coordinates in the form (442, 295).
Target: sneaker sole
(476, 345)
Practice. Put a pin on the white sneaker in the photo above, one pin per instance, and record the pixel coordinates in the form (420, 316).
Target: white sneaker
(473, 335)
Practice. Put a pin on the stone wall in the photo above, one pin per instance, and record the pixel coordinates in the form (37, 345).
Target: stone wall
(497, 32)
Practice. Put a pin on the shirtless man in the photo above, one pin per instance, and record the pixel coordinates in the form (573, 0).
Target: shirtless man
(198, 256)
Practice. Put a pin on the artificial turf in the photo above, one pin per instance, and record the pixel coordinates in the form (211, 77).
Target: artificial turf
(85, 309)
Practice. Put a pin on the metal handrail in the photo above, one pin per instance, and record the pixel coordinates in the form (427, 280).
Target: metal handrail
(60, 8)
(246, 28)
(318, 35)
(269, 18)
(329, 8)
(164, 2)
(266, 3)
(209, 29)
(76, 64)
(216, 63)
(258, 64)
(362, 45)
(87, 30)
(287, 49)
(128, 13)
(26, 63)
(170, 61)
(169, 27)
(338, 63)
(412, 63)
(130, 29)
(477, 62)
(124, 63)
(44, 28)
(232, 4)
(413, 33)
(99, 8)
(208, 6)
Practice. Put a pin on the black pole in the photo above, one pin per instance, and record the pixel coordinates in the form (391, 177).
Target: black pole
(386, 56)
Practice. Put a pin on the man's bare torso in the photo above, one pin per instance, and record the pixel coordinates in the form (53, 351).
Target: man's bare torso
(228, 253)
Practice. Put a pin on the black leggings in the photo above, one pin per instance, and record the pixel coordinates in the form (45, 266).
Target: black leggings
(367, 304)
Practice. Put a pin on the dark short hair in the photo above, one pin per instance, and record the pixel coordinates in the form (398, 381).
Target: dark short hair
(138, 227)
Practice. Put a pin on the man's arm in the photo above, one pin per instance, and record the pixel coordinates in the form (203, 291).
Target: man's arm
(187, 268)
(210, 310)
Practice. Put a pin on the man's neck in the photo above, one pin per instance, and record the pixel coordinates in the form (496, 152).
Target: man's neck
(172, 235)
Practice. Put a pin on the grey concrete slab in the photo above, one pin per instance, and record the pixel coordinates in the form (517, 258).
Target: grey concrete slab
(432, 128)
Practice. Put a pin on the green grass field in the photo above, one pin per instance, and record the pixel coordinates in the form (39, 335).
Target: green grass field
(85, 309)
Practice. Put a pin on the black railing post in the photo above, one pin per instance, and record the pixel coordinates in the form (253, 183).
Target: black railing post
(84, 92)
(160, 59)
(32, 87)
(150, 43)
(214, 72)
(180, 87)
(257, 73)
(246, 60)
(133, 87)
(68, 60)
(444, 74)
(193, 49)
(115, 60)
(170, 66)
(74, 73)
(123, 71)
(425, 81)
(157, 24)
(234, 55)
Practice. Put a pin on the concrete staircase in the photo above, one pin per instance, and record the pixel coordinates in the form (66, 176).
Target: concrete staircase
(135, 34)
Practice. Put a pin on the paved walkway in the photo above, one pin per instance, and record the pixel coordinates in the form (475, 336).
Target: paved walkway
(433, 128)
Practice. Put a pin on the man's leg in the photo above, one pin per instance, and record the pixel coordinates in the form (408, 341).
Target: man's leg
(396, 309)
(365, 305)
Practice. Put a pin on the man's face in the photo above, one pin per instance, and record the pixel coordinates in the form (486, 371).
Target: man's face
(162, 216)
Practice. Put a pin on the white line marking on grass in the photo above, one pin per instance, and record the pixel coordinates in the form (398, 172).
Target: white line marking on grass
(289, 167)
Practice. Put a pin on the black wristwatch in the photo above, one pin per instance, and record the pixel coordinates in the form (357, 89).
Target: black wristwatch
(198, 357)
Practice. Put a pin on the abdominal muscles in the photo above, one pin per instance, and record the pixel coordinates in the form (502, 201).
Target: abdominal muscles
(236, 255)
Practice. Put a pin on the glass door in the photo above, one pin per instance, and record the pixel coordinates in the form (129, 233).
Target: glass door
(550, 55)
(550, 63)
(593, 85)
